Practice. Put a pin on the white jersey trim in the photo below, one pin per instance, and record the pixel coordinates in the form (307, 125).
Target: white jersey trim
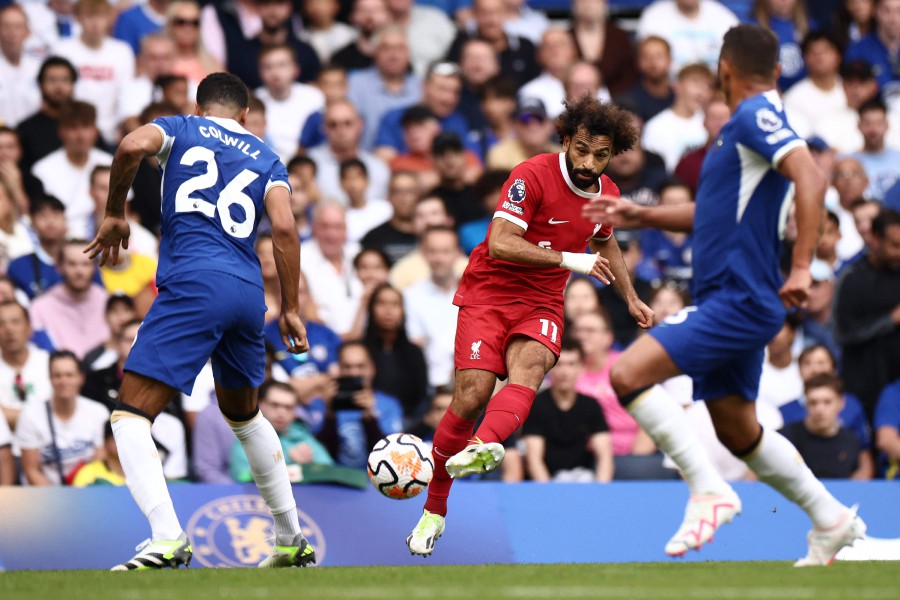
(163, 155)
(273, 184)
(514, 220)
(229, 124)
(577, 191)
(785, 150)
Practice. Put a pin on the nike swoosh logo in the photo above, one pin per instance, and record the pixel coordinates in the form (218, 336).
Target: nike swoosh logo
(555, 222)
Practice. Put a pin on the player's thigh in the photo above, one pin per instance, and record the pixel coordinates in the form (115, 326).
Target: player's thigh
(472, 392)
(533, 344)
(178, 334)
(148, 395)
(481, 334)
(644, 363)
(528, 361)
(239, 358)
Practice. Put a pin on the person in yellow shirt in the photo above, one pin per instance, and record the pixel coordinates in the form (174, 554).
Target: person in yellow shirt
(105, 471)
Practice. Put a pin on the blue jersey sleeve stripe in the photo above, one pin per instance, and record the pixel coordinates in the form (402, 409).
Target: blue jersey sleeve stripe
(785, 150)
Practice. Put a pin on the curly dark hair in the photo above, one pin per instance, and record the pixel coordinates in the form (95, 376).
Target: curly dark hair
(598, 118)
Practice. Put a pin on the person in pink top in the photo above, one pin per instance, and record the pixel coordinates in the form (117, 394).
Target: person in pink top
(71, 312)
(594, 332)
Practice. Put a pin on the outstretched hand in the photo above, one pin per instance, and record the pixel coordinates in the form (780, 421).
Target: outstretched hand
(293, 333)
(795, 291)
(113, 232)
(612, 210)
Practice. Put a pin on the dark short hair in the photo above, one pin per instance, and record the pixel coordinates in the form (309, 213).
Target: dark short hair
(885, 219)
(673, 183)
(301, 160)
(821, 35)
(752, 49)
(356, 343)
(352, 163)
(267, 50)
(223, 88)
(56, 61)
(489, 182)
(115, 299)
(872, 104)
(501, 86)
(439, 229)
(164, 81)
(46, 202)
(446, 142)
(810, 349)
(154, 110)
(256, 105)
(417, 114)
(271, 384)
(377, 251)
(76, 113)
(832, 216)
(98, 169)
(821, 380)
(15, 303)
(570, 344)
(63, 355)
(598, 118)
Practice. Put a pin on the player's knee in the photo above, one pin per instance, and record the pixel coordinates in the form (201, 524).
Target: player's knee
(739, 438)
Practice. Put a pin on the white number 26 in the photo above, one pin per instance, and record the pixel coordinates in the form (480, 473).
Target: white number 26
(233, 193)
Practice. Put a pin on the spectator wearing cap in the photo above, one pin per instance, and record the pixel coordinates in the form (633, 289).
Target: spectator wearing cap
(532, 130)
(841, 128)
(23, 366)
(819, 94)
(653, 92)
(715, 116)
(882, 164)
(440, 94)
(881, 48)
(556, 54)
(429, 30)
(458, 169)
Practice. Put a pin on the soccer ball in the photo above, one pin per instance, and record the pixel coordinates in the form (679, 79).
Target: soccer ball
(400, 466)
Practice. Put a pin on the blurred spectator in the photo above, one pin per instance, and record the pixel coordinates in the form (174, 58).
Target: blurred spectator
(820, 94)
(818, 322)
(517, 54)
(276, 30)
(429, 30)
(322, 30)
(256, 122)
(532, 137)
(866, 323)
(400, 367)
(668, 252)
(343, 132)
(525, 21)
(19, 93)
(879, 162)
(487, 191)
(65, 173)
(141, 241)
(397, 237)
(332, 82)
(714, 118)
(496, 109)
(15, 240)
(155, 59)
(357, 416)
(420, 126)
(653, 92)
(440, 95)
(106, 470)
(678, 129)
(566, 436)
(789, 21)
(592, 330)
(364, 212)
(173, 89)
(59, 433)
(430, 312)
(327, 264)
(457, 169)
(826, 248)
(584, 79)
(780, 381)
(430, 211)
(830, 450)
(864, 214)
(147, 183)
(288, 103)
(135, 23)
(226, 27)
(424, 429)
(34, 273)
(71, 312)
(556, 54)
(825, 158)
(119, 311)
(387, 84)
(887, 431)
(600, 41)
(38, 134)
(693, 28)
(850, 182)
(105, 65)
(367, 17)
(478, 63)
(191, 58)
(879, 48)
(855, 19)
(840, 129)
(7, 463)
(638, 173)
(581, 298)
(277, 403)
(372, 269)
(623, 325)
(23, 366)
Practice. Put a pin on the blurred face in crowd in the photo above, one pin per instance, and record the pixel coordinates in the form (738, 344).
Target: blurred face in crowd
(78, 139)
(320, 14)
(99, 190)
(95, 24)
(850, 180)
(696, 91)
(478, 62)
(451, 165)
(654, 60)
(863, 215)
(126, 341)
(342, 127)
(666, 302)
(13, 31)
(274, 13)
(118, 315)
(184, 25)
(402, 194)
(557, 51)
(821, 294)
(440, 250)
(392, 54)
(419, 136)
(586, 157)
(278, 407)
(581, 298)
(592, 332)
(369, 15)
(430, 212)
(687, 6)
(589, 10)
(822, 58)
(57, 86)
(873, 126)
(831, 235)
(441, 93)
(583, 79)
(299, 198)
(859, 90)
(7, 290)
(354, 361)
(823, 405)
(675, 195)
(565, 374)
(399, 7)
(278, 70)
(264, 251)
(354, 183)
(815, 362)
(157, 57)
(440, 403)
(887, 249)
(49, 225)
(76, 268)
(330, 230)
(10, 149)
(256, 123)
(333, 83)
(717, 114)
(533, 132)
(15, 329)
(489, 17)
(387, 309)
(497, 109)
(371, 268)
(887, 18)
(65, 378)
(861, 11)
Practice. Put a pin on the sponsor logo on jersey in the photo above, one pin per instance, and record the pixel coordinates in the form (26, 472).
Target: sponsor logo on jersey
(236, 531)
(476, 350)
(553, 221)
(507, 205)
(516, 191)
(767, 120)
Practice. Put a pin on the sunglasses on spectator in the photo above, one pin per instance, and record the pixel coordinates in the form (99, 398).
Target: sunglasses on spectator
(179, 22)
(333, 124)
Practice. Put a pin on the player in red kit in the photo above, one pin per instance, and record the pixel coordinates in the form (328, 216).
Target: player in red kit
(511, 296)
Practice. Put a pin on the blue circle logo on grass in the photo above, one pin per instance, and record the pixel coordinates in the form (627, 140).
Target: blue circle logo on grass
(237, 531)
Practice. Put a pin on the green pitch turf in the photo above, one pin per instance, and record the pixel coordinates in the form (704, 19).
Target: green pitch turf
(706, 581)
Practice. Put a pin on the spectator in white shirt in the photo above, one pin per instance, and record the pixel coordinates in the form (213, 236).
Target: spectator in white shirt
(105, 65)
(820, 94)
(19, 92)
(156, 59)
(364, 213)
(882, 164)
(322, 30)
(556, 53)
(429, 29)
(23, 366)
(840, 129)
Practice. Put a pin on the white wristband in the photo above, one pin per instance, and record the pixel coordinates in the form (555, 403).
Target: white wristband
(578, 262)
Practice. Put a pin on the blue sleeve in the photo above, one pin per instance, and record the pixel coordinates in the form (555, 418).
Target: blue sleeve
(278, 175)
(855, 51)
(763, 127)
(390, 133)
(887, 411)
(126, 30)
(390, 414)
(313, 132)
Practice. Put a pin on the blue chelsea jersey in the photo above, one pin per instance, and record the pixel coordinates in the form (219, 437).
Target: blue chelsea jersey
(215, 176)
(743, 204)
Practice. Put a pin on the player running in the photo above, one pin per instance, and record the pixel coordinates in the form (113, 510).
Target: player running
(217, 180)
(511, 296)
(738, 222)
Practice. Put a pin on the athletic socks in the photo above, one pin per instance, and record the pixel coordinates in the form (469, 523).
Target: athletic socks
(776, 462)
(665, 421)
(144, 474)
(505, 413)
(266, 458)
(452, 435)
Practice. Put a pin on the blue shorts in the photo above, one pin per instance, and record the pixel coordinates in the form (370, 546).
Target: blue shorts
(720, 345)
(199, 316)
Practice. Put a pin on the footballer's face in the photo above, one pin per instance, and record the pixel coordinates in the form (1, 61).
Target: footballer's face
(586, 158)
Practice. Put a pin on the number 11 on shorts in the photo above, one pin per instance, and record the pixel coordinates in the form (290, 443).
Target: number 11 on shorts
(545, 329)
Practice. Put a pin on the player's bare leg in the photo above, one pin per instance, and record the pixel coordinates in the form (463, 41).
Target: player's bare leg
(261, 444)
(141, 399)
(776, 462)
(473, 390)
(712, 501)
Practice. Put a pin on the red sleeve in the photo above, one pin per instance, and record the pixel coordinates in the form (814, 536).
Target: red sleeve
(603, 231)
(520, 197)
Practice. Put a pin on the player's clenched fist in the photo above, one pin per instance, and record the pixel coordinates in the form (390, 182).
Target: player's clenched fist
(795, 290)
(293, 333)
(641, 313)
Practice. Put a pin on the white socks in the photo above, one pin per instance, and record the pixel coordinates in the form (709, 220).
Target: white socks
(664, 420)
(777, 462)
(144, 474)
(267, 465)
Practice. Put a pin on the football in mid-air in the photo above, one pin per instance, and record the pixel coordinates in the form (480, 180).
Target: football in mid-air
(400, 466)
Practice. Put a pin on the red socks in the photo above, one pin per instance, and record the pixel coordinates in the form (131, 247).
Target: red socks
(505, 413)
(452, 435)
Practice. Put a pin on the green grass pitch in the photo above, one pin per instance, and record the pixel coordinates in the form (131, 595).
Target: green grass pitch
(650, 581)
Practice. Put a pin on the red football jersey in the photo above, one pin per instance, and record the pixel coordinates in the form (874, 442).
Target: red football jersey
(540, 198)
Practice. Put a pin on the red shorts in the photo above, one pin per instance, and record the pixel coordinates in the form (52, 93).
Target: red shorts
(484, 331)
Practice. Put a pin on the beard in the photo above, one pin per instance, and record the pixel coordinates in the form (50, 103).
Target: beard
(581, 179)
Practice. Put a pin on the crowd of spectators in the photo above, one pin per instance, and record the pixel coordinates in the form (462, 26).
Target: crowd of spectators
(398, 122)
